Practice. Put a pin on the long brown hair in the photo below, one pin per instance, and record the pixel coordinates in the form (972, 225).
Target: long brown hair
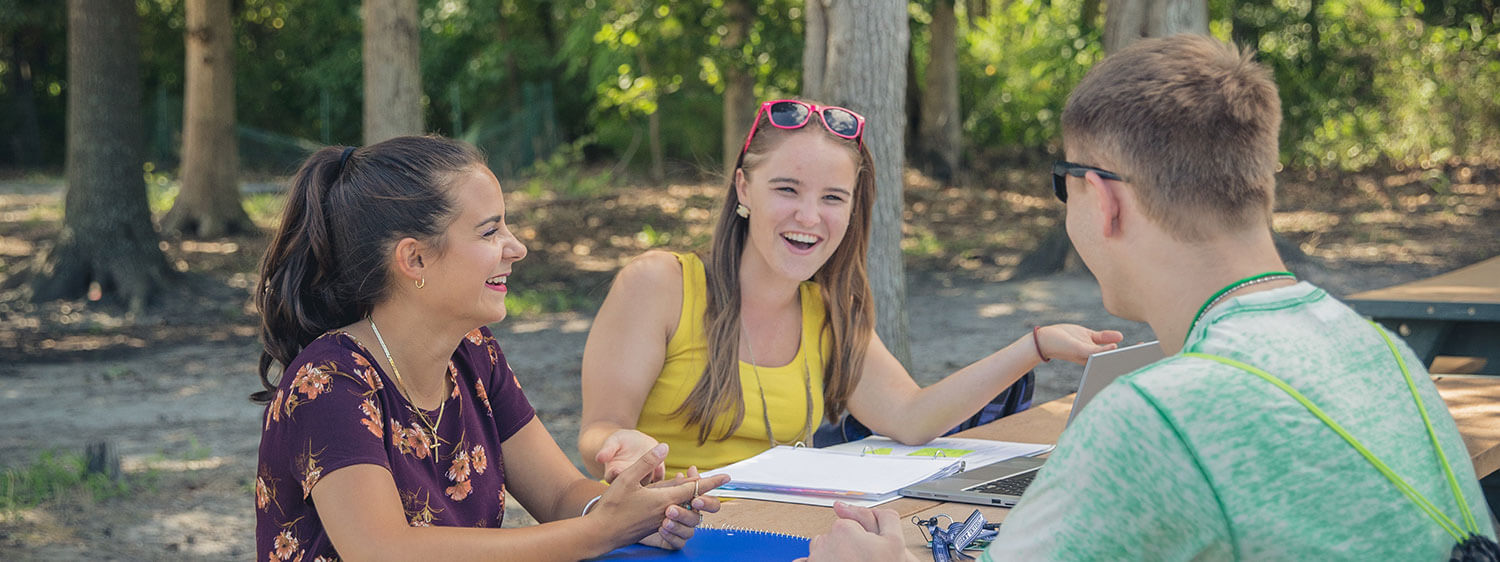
(849, 308)
(325, 265)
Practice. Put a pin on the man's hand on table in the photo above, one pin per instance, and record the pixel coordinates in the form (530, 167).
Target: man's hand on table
(861, 533)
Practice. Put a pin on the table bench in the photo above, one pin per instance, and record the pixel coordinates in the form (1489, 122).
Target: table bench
(1456, 314)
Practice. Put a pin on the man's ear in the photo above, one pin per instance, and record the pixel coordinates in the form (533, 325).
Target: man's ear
(408, 257)
(1109, 201)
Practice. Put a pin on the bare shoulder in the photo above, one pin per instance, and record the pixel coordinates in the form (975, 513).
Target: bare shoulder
(654, 272)
(648, 292)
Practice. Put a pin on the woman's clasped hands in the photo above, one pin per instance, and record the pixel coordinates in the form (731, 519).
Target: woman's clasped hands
(639, 504)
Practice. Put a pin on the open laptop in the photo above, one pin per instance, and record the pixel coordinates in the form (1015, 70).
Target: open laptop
(1002, 483)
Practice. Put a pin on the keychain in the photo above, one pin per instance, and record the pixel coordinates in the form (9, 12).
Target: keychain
(973, 533)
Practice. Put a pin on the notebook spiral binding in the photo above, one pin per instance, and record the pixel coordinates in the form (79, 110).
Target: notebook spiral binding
(749, 531)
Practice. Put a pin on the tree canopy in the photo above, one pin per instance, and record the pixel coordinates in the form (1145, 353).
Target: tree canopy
(1363, 81)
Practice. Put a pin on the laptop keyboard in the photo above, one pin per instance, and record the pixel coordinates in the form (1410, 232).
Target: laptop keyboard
(1011, 485)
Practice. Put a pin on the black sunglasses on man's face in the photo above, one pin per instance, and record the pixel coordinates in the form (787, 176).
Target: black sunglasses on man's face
(1061, 170)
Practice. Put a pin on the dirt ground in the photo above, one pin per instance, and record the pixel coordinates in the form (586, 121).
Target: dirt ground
(169, 389)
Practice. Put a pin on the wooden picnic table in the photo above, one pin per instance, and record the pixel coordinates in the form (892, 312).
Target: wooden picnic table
(1456, 314)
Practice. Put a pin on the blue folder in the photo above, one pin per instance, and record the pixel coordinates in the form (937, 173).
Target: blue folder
(721, 544)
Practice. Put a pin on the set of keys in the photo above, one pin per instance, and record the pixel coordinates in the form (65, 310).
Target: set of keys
(973, 532)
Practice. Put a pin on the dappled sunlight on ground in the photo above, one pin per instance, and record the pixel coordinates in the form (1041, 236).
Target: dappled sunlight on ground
(143, 464)
(565, 322)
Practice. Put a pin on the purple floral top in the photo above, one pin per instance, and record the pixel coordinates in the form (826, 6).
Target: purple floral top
(335, 408)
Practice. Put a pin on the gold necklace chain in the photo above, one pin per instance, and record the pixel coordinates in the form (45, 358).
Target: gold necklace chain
(401, 386)
(765, 412)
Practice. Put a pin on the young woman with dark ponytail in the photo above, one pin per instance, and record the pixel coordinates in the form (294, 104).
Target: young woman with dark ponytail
(397, 425)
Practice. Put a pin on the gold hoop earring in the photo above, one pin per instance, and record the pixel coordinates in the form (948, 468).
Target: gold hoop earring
(742, 211)
(421, 282)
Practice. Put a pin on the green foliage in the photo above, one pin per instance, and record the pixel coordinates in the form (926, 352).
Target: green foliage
(1362, 81)
(161, 189)
(653, 238)
(1366, 81)
(924, 244)
(33, 75)
(264, 208)
(53, 475)
(563, 174)
(1016, 68)
(522, 304)
(645, 57)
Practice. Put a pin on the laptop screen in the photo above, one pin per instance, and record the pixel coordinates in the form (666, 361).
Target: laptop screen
(1103, 368)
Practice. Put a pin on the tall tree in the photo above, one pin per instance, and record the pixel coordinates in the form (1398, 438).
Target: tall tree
(106, 236)
(393, 73)
(940, 131)
(739, 81)
(855, 56)
(209, 203)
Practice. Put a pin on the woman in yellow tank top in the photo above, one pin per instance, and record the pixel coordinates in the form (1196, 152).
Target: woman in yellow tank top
(776, 331)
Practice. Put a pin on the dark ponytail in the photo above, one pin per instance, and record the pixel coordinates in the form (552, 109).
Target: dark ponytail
(325, 266)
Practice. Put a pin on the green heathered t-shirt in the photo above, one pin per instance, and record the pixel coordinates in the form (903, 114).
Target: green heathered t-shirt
(1190, 459)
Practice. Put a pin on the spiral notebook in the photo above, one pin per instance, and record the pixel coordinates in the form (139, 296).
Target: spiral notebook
(730, 545)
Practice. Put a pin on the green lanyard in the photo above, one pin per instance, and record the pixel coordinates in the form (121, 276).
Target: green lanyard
(1411, 493)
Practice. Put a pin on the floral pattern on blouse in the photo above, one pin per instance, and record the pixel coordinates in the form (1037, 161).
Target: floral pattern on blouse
(335, 407)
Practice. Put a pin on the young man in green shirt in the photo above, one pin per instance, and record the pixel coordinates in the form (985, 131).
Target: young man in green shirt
(1200, 456)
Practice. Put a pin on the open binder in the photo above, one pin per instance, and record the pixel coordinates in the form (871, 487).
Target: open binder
(835, 474)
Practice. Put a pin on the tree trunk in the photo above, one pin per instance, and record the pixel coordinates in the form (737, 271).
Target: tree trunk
(653, 134)
(814, 47)
(106, 236)
(26, 141)
(1125, 22)
(739, 82)
(941, 132)
(653, 125)
(863, 46)
(977, 10)
(209, 203)
(1315, 58)
(393, 73)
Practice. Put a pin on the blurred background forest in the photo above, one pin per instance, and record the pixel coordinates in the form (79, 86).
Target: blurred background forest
(544, 86)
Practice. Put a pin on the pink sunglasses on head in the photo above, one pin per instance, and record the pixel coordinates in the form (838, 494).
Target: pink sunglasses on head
(794, 114)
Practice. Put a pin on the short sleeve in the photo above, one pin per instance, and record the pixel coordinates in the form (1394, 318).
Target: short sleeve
(327, 414)
(1121, 485)
(506, 403)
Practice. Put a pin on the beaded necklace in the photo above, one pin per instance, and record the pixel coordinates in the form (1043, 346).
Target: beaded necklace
(802, 434)
(1237, 285)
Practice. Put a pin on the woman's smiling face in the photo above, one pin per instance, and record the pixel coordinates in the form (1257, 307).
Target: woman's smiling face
(479, 250)
(800, 198)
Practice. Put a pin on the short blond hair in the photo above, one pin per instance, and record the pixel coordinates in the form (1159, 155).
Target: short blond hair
(1192, 124)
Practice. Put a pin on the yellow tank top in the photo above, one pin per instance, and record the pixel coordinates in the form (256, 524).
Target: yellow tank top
(786, 395)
